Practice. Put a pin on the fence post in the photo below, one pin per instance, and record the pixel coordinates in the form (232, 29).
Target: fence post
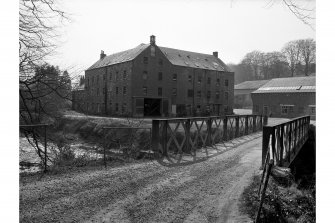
(209, 130)
(155, 136)
(225, 132)
(164, 137)
(281, 142)
(254, 123)
(265, 142)
(246, 130)
(45, 148)
(187, 134)
(265, 120)
(237, 125)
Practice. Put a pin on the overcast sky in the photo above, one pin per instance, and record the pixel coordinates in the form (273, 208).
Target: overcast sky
(233, 28)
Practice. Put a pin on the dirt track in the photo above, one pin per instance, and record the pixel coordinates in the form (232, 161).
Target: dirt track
(206, 191)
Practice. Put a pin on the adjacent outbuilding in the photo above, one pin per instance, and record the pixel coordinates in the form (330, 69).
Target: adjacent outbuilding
(286, 97)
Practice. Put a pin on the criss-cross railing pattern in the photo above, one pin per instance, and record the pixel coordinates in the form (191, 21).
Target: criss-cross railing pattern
(185, 137)
(282, 142)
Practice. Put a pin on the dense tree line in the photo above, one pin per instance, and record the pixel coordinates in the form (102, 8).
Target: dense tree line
(296, 58)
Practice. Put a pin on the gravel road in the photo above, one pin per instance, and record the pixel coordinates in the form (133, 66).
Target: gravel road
(206, 191)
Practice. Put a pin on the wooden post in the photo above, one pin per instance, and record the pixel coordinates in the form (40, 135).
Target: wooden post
(265, 142)
(155, 137)
(187, 135)
(209, 132)
(225, 131)
(254, 127)
(263, 191)
(164, 137)
(281, 142)
(237, 125)
(246, 130)
(104, 146)
(45, 149)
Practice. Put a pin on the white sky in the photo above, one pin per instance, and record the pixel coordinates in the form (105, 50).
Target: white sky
(233, 28)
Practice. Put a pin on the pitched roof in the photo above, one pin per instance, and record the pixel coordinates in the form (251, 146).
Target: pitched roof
(289, 85)
(250, 85)
(119, 57)
(192, 59)
(175, 56)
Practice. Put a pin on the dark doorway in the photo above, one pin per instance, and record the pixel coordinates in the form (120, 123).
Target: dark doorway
(152, 107)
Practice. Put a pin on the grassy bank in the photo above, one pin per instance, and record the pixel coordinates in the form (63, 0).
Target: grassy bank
(295, 203)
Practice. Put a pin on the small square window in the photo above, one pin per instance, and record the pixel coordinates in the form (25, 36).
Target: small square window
(145, 91)
(209, 80)
(174, 77)
(190, 78)
(174, 91)
(190, 93)
(124, 75)
(226, 83)
(145, 60)
(116, 107)
(104, 77)
(226, 95)
(124, 90)
(217, 94)
(116, 90)
(145, 75)
(160, 91)
(218, 82)
(199, 79)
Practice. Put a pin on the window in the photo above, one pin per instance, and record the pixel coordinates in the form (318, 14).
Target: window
(104, 77)
(145, 60)
(208, 94)
(159, 91)
(124, 75)
(226, 83)
(286, 109)
(98, 91)
(117, 75)
(174, 91)
(160, 61)
(124, 106)
(199, 94)
(116, 107)
(160, 76)
(145, 91)
(117, 90)
(174, 77)
(145, 75)
(199, 79)
(218, 82)
(256, 108)
(312, 109)
(217, 94)
(110, 76)
(190, 78)
(190, 93)
(209, 80)
(124, 90)
(226, 95)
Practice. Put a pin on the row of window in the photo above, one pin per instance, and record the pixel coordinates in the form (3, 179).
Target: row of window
(99, 107)
(96, 79)
(284, 109)
(209, 93)
(174, 78)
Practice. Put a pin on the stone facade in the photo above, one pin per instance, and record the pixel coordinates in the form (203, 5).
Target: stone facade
(150, 85)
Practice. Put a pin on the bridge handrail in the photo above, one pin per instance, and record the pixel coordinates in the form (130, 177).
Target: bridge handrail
(171, 137)
(283, 141)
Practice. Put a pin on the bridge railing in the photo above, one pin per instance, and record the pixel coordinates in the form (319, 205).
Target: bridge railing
(282, 142)
(178, 137)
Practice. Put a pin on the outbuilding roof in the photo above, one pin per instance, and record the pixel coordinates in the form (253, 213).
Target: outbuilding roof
(288, 85)
(175, 56)
(250, 85)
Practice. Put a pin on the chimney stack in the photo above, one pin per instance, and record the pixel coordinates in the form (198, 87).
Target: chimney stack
(152, 40)
(216, 54)
(102, 55)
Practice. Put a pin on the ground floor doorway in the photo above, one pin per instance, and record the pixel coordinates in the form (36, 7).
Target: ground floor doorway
(152, 107)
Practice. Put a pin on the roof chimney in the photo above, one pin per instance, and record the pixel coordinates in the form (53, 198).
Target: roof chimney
(102, 55)
(152, 40)
(216, 54)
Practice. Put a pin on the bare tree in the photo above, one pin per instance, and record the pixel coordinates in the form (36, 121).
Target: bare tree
(292, 53)
(302, 11)
(254, 61)
(307, 48)
(38, 40)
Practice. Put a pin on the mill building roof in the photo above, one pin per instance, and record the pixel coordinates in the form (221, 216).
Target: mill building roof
(175, 56)
(288, 85)
(250, 85)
